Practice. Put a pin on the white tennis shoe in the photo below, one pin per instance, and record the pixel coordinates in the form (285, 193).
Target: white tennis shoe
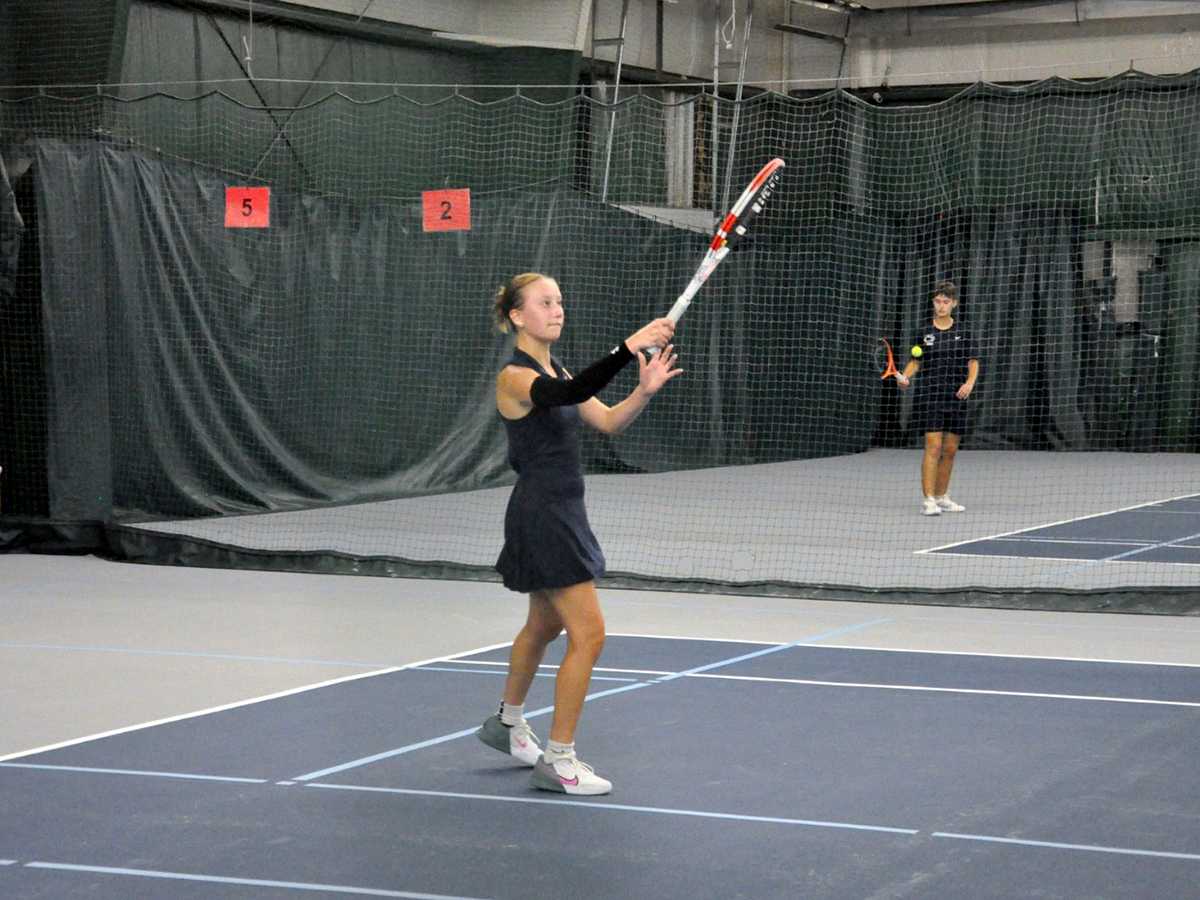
(517, 741)
(568, 775)
(930, 507)
(945, 504)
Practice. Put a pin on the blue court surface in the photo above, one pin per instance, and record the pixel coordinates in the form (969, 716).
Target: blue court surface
(1166, 531)
(742, 770)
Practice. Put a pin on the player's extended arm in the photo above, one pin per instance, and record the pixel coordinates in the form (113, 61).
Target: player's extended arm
(652, 376)
(547, 391)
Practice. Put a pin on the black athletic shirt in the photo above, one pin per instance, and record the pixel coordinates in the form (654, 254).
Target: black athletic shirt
(944, 358)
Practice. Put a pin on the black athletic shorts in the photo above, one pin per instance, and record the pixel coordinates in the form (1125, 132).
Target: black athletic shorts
(942, 414)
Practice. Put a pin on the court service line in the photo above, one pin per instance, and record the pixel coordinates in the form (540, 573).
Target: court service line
(422, 745)
(1098, 515)
(91, 770)
(244, 882)
(1053, 845)
(620, 807)
(961, 556)
(1035, 657)
(240, 703)
(768, 820)
(953, 690)
(1086, 542)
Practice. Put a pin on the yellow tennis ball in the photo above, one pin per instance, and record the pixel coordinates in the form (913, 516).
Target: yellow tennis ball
(916, 351)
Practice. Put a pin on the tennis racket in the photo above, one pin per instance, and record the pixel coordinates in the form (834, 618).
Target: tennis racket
(729, 232)
(884, 362)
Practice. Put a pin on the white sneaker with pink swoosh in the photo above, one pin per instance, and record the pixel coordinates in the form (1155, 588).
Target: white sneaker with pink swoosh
(568, 775)
(517, 741)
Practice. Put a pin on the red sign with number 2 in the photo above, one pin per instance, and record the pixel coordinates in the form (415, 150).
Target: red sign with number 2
(247, 207)
(447, 210)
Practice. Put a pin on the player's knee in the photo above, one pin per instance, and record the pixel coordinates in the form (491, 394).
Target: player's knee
(544, 632)
(588, 639)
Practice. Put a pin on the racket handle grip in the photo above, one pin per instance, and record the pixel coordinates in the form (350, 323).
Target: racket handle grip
(678, 309)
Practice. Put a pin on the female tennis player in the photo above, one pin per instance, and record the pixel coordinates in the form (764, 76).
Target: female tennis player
(949, 358)
(549, 549)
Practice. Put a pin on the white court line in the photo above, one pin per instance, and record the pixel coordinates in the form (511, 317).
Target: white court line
(1018, 539)
(1098, 515)
(245, 882)
(1041, 559)
(912, 651)
(455, 658)
(1093, 848)
(618, 807)
(240, 703)
(953, 690)
(1070, 659)
(594, 806)
(92, 770)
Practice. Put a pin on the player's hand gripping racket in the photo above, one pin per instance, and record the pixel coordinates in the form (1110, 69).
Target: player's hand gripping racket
(729, 232)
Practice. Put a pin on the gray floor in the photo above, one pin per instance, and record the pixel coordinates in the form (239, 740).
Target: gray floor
(850, 520)
(90, 647)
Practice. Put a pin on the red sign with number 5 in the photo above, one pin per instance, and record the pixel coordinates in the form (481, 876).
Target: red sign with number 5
(447, 210)
(247, 207)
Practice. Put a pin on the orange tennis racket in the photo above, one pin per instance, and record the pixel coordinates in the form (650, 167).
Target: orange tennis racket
(884, 362)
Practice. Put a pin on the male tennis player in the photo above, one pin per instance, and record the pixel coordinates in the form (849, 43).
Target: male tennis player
(948, 358)
(549, 549)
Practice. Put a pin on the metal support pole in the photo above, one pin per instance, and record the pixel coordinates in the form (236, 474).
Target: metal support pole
(612, 119)
(716, 108)
(737, 107)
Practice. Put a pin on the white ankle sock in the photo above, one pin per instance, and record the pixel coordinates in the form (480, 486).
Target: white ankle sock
(555, 750)
(512, 715)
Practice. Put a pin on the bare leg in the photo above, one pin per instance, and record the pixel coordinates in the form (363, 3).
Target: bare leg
(578, 608)
(541, 627)
(931, 462)
(945, 463)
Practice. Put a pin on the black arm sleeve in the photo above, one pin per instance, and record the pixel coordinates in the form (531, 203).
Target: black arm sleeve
(546, 391)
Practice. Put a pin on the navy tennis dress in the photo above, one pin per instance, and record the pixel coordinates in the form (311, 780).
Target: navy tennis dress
(548, 542)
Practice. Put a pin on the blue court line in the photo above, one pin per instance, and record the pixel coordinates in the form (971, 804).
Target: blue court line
(245, 882)
(621, 807)
(399, 751)
(96, 771)
(387, 754)
(1093, 848)
(1096, 562)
